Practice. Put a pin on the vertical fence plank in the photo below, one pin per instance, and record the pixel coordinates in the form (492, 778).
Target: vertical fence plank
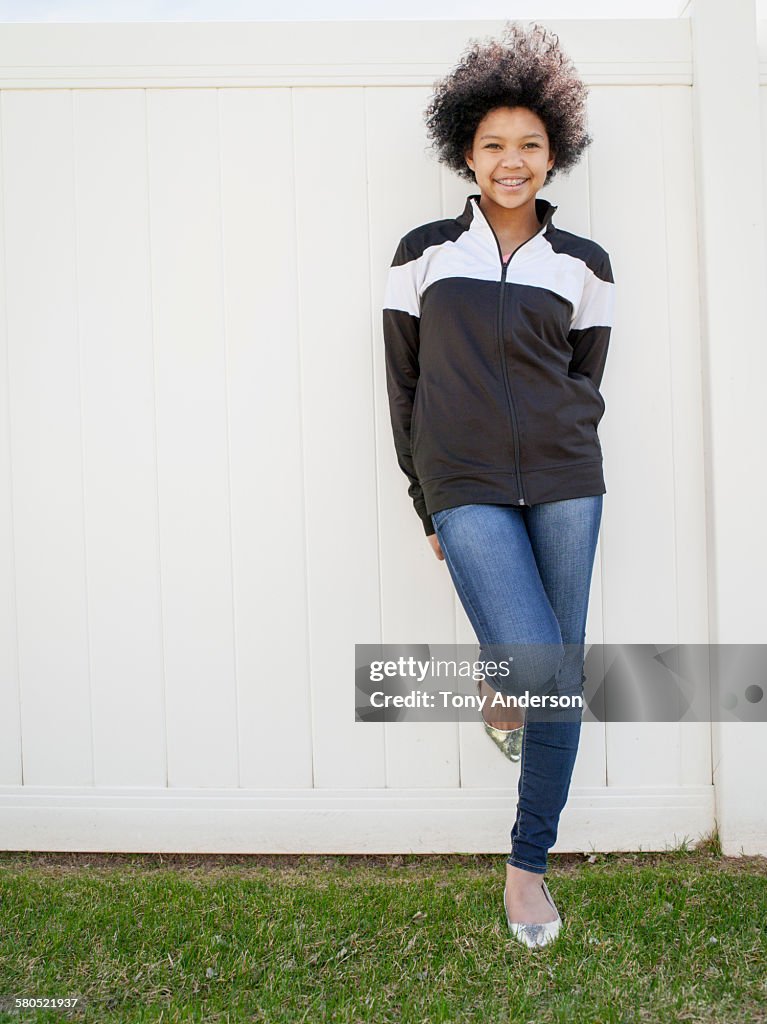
(119, 437)
(267, 452)
(337, 404)
(46, 438)
(10, 695)
(192, 437)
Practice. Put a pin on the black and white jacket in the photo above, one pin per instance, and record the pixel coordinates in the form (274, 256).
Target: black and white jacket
(493, 369)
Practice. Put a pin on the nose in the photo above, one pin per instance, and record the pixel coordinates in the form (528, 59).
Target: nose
(512, 159)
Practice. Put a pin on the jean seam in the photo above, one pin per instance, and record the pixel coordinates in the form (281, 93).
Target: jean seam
(521, 789)
(463, 592)
(518, 860)
(450, 512)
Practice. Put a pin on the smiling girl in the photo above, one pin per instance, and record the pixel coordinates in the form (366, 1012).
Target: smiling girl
(496, 328)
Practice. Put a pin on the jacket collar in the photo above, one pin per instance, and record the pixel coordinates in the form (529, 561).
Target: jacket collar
(472, 212)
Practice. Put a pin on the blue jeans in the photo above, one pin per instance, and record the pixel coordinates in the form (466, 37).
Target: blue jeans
(523, 576)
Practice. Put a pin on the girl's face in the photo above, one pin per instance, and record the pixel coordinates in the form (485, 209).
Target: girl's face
(510, 156)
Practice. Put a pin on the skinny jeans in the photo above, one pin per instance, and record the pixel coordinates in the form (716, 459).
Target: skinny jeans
(523, 576)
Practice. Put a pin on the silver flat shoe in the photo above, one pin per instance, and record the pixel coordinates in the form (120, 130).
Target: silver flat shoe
(508, 741)
(535, 936)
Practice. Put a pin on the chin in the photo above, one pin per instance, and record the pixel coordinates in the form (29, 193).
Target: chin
(502, 199)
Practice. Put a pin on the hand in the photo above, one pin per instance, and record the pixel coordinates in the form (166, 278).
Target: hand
(432, 539)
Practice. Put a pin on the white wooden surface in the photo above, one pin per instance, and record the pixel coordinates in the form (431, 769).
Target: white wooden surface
(734, 279)
(201, 509)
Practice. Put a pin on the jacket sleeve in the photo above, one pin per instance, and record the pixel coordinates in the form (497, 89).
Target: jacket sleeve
(590, 328)
(401, 322)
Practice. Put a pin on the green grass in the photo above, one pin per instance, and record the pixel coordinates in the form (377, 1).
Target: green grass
(674, 937)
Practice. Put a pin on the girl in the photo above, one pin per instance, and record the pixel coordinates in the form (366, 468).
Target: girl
(496, 328)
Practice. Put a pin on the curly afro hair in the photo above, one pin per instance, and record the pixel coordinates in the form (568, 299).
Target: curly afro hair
(522, 69)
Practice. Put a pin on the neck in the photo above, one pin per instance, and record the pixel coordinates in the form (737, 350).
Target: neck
(519, 220)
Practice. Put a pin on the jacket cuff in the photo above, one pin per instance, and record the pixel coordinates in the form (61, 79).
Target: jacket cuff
(428, 525)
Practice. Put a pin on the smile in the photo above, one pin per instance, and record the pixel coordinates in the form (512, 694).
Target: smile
(511, 184)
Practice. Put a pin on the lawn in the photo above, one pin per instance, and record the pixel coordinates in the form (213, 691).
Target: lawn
(672, 937)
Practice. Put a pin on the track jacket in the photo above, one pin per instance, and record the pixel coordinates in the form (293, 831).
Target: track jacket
(493, 369)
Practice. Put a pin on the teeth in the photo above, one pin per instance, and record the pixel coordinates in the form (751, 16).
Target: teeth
(510, 181)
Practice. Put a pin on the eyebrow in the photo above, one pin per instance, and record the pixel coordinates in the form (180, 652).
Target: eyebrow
(528, 136)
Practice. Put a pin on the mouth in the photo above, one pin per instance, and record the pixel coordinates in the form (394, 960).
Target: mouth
(511, 184)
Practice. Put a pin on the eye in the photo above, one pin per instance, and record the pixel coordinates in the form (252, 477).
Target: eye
(490, 145)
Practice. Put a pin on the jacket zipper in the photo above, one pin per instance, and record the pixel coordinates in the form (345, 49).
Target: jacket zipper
(512, 409)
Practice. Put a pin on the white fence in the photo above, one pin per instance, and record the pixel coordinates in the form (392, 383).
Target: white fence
(201, 510)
